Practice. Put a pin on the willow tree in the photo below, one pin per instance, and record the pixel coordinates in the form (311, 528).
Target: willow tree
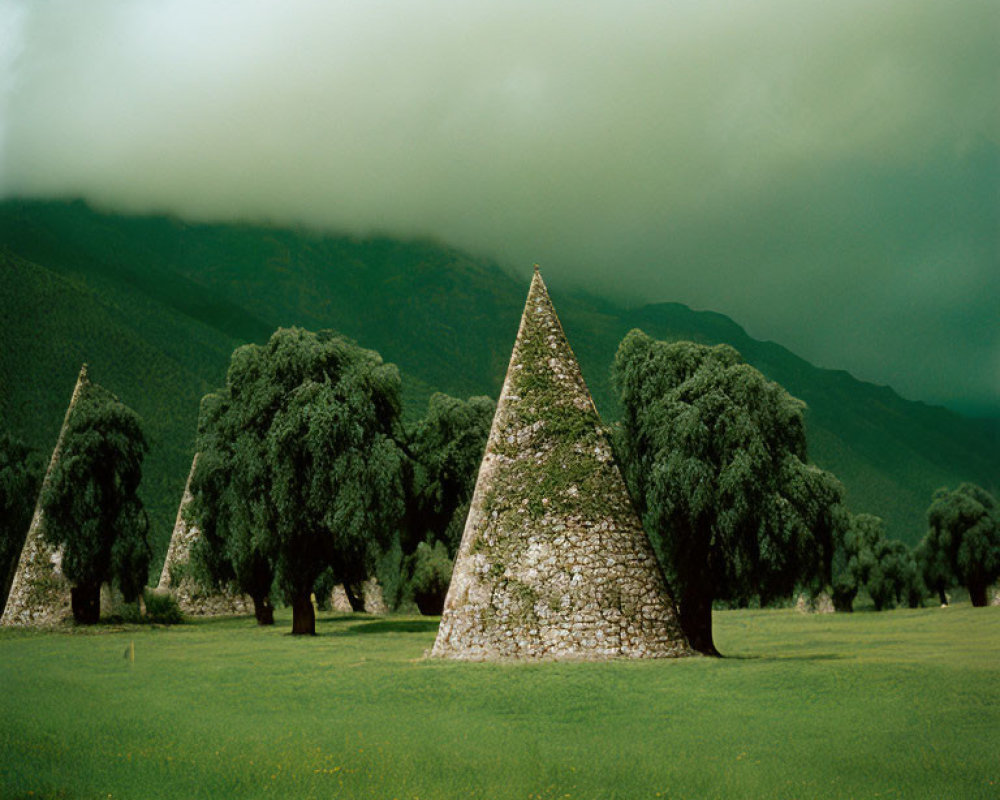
(715, 457)
(446, 447)
(91, 503)
(963, 540)
(336, 472)
(854, 558)
(230, 477)
(305, 471)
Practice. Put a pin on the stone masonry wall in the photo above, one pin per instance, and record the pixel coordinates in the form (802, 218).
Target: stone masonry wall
(554, 562)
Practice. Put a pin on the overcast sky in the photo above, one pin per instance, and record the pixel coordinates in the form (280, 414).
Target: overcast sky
(826, 173)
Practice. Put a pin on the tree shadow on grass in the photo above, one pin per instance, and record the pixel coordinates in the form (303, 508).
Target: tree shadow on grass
(343, 619)
(391, 626)
(784, 657)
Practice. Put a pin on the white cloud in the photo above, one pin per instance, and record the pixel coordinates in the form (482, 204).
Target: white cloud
(716, 154)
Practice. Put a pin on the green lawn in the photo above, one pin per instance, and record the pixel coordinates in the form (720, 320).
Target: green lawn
(902, 704)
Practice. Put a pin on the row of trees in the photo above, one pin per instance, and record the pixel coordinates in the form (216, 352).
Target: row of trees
(308, 475)
(961, 547)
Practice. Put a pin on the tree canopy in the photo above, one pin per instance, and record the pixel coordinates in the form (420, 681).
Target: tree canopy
(447, 447)
(228, 481)
(865, 558)
(962, 544)
(303, 470)
(91, 504)
(715, 458)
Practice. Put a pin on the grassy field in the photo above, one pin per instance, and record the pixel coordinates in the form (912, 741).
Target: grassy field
(903, 704)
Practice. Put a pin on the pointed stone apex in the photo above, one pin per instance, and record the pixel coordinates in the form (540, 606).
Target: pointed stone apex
(554, 562)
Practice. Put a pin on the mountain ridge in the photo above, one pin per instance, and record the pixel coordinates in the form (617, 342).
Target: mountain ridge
(136, 295)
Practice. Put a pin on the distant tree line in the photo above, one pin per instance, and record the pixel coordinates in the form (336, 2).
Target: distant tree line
(309, 478)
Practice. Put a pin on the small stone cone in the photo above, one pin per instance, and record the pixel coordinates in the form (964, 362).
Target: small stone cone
(183, 536)
(554, 562)
(371, 593)
(40, 593)
(192, 598)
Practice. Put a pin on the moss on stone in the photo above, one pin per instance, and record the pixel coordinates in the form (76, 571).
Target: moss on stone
(549, 524)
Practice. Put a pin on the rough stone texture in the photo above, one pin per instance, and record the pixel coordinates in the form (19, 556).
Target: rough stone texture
(374, 598)
(371, 592)
(339, 601)
(191, 597)
(40, 593)
(554, 562)
(821, 604)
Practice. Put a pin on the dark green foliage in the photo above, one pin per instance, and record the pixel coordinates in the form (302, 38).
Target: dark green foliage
(162, 608)
(447, 447)
(914, 590)
(430, 575)
(323, 588)
(855, 558)
(891, 575)
(865, 558)
(21, 471)
(962, 544)
(299, 469)
(933, 567)
(390, 575)
(91, 503)
(226, 488)
(715, 458)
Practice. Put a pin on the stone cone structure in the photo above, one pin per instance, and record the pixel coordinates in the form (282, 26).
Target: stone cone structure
(40, 593)
(820, 604)
(371, 593)
(191, 597)
(554, 562)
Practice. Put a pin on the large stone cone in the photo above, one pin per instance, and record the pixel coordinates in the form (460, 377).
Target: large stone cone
(40, 593)
(175, 577)
(554, 562)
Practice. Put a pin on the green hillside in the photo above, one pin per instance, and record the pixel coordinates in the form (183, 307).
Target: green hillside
(156, 305)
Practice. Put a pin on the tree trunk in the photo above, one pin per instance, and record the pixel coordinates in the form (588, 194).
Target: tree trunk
(696, 621)
(356, 599)
(977, 593)
(85, 600)
(843, 601)
(263, 610)
(303, 615)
